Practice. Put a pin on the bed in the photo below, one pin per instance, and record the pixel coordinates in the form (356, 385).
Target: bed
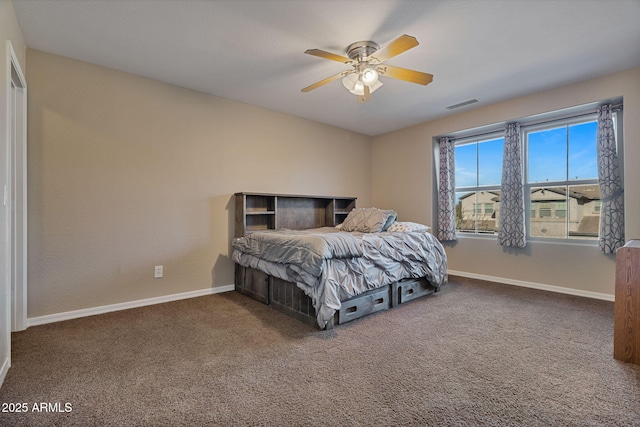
(330, 275)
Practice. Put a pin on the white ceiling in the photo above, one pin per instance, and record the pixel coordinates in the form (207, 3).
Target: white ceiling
(253, 50)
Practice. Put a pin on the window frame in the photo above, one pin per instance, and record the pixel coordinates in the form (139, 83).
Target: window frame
(528, 186)
(549, 120)
(499, 134)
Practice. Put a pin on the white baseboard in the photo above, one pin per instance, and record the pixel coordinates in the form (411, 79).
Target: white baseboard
(58, 317)
(541, 286)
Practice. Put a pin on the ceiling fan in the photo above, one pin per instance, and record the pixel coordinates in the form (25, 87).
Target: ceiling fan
(367, 58)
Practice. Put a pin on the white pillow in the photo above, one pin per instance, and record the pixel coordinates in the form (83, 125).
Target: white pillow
(407, 227)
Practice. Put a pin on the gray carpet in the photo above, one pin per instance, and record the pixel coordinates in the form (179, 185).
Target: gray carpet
(475, 354)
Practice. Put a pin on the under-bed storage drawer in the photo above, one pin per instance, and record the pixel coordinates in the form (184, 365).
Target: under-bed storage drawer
(253, 283)
(363, 304)
(410, 289)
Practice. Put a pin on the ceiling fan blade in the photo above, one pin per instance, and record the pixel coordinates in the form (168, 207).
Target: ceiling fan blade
(328, 55)
(404, 74)
(325, 81)
(396, 47)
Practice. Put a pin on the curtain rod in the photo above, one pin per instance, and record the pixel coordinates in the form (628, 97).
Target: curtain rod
(615, 108)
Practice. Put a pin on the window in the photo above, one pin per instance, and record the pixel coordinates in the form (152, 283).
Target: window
(488, 208)
(561, 190)
(561, 182)
(596, 207)
(544, 209)
(478, 184)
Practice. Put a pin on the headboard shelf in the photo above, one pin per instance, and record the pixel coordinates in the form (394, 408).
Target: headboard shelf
(265, 211)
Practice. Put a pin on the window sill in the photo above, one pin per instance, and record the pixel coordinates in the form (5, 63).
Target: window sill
(533, 240)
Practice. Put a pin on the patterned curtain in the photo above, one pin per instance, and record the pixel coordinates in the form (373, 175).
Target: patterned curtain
(611, 192)
(447, 191)
(512, 227)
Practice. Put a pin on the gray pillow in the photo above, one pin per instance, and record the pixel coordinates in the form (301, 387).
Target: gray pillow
(368, 220)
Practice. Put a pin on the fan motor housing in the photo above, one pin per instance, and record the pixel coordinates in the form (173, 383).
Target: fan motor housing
(359, 50)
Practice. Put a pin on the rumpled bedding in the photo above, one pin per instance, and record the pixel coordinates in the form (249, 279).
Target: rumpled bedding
(302, 249)
(331, 265)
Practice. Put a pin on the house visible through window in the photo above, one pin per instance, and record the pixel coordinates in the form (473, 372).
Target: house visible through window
(562, 179)
(478, 184)
(562, 195)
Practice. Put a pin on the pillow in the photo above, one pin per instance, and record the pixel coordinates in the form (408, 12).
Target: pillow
(407, 227)
(367, 220)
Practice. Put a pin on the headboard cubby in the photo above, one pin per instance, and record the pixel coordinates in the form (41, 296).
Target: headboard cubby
(265, 211)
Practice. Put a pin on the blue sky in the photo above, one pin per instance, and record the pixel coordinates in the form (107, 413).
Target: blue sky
(547, 151)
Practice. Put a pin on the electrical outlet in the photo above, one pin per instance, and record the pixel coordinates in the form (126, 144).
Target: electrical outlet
(157, 272)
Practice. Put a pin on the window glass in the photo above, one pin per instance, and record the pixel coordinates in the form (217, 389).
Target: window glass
(466, 159)
(563, 155)
(546, 223)
(487, 221)
(584, 211)
(478, 172)
(465, 212)
(470, 215)
(583, 163)
(547, 154)
(489, 155)
(565, 211)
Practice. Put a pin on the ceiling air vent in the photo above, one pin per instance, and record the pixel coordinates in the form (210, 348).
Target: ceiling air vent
(462, 104)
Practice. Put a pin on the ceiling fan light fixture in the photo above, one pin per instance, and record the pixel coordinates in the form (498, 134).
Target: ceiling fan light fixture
(358, 89)
(375, 86)
(349, 81)
(369, 76)
(355, 84)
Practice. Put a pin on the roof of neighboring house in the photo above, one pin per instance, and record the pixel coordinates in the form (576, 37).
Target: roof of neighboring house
(496, 199)
(584, 193)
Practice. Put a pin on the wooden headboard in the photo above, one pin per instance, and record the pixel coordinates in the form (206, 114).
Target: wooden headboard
(264, 211)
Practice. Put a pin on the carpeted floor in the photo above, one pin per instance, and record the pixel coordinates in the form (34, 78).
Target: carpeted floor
(475, 354)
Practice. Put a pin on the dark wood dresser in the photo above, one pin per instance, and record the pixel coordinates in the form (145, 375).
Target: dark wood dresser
(626, 331)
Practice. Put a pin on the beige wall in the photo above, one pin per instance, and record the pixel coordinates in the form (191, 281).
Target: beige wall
(403, 179)
(126, 173)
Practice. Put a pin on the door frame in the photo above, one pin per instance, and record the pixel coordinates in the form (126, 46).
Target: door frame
(15, 191)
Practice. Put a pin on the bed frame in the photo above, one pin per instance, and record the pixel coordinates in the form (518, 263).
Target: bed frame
(287, 298)
(263, 211)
